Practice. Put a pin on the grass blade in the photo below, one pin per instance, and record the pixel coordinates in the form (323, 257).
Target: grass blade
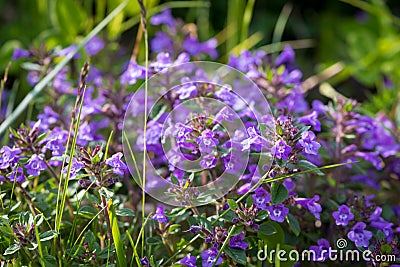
(234, 22)
(119, 246)
(281, 23)
(247, 16)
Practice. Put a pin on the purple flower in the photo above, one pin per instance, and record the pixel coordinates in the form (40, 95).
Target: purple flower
(206, 141)
(145, 262)
(311, 119)
(61, 82)
(95, 76)
(372, 157)
(254, 139)
(226, 95)
(115, 161)
(189, 261)
(281, 150)
(224, 114)
(161, 42)
(208, 162)
(86, 134)
(8, 156)
(309, 144)
(2, 178)
(35, 165)
(153, 135)
(17, 175)
(318, 107)
(311, 204)
(388, 82)
(208, 257)
(133, 73)
(237, 242)
(385, 227)
(56, 146)
(20, 53)
(66, 51)
(194, 47)
(47, 118)
(286, 56)
(94, 46)
(379, 223)
(321, 250)
(241, 62)
(33, 77)
(195, 228)
(209, 48)
(261, 198)
(163, 61)
(182, 133)
(187, 89)
(293, 77)
(191, 45)
(165, 17)
(359, 235)
(294, 102)
(343, 215)
(278, 212)
(160, 215)
(75, 167)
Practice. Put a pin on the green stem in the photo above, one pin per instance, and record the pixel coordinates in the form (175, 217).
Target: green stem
(224, 244)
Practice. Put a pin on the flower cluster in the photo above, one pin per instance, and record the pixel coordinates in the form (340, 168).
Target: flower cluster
(308, 173)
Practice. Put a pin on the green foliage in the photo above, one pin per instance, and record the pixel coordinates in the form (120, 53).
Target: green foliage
(278, 193)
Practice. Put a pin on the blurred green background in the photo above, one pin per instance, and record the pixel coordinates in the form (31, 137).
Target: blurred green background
(360, 39)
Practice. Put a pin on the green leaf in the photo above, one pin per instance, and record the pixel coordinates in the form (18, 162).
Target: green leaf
(293, 224)
(125, 212)
(174, 228)
(229, 215)
(90, 239)
(279, 129)
(11, 249)
(6, 230)
(106, 192)
(381, 236)
(97, 158)
(38, 219)
(237, 230)
(32, 246)
(232, 204)
(87, 211)
(48, 235)
(249, 201)
(115, 26)
(272, 240)
(262, 215)
(238, 255)
(119, 246)
(14, 207)
(153, 241)
(267, 229)
(304, 164)
(278, 193)
(70, 16)
(50, 261)
(174, 179)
